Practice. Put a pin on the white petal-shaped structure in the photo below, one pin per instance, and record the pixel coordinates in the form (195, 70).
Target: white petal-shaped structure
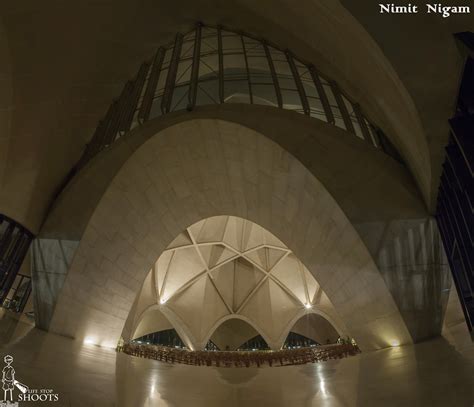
(227, 268)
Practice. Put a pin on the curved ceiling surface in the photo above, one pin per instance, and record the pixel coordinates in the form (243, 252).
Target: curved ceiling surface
(225, 267)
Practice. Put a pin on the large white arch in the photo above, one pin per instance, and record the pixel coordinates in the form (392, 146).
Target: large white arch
(204, 168)
(270, 342)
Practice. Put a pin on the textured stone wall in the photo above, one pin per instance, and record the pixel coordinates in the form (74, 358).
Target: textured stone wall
(199, 169)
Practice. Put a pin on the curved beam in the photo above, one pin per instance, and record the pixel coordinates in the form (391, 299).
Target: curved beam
(337, 326)
(175, 321)
(270, 342)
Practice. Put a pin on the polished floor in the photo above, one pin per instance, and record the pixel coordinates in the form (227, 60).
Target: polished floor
(439, 372)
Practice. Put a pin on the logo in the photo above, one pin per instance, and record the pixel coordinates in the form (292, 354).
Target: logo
(10, 383)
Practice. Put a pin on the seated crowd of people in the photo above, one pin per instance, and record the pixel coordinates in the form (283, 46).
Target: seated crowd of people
(241, 359)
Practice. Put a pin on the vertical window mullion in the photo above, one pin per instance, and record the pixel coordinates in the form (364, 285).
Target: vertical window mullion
(145, 108)
(322, 95)
(274, 75)
(195, 68)
(122, 107)
(221, 64)
(299, 85)
(171, 78)
(134, 97)
(113, 119)
(247, 68)
(362, 124)
(342, 107)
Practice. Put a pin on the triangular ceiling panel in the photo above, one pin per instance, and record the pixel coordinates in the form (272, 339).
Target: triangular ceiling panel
(199, 307)
(212, 230)
(274, 255)
(185, 265)
(259, 257)
(271, 308)
(183, 239)
(246, 278)
(162, 268)
(233, 233)
(266, 257)
(272, 240)
(252, 236)
(311, 283)
(223, 278)
(195, 229)
(289, 274)
(216, 254)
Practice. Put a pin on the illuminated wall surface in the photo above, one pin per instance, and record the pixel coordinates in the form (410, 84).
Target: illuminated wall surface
(456, 194)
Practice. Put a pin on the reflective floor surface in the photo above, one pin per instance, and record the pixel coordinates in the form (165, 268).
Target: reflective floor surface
(439, 372)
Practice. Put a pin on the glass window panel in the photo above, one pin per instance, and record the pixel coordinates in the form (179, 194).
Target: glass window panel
(156, 108)
(310, 89)
(277, 55)
(264, 95)
(357, 129)
(190, 35)
(208, 32)
(259, 70)
(233, 62)
(180, 98)
(167, 57)
(207, 92)
(183, 73)
(254, 48)
(236, 92)
(349, 108)
(232, 43)
(330, 95)
(372, 133)
(291, 100)
(258, 63)
(161, 81)
(209, 66)
(353, 117)
(306, 80)
(316, 108)
(287, 82)
(187, 49)
(209, 44)
(339, 121)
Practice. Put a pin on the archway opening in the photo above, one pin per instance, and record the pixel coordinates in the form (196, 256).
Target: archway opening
(235, 334)
(311, 330)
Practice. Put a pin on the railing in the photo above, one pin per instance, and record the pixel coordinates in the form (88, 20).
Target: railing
(213, 65)
(14, 243)
(241, 359)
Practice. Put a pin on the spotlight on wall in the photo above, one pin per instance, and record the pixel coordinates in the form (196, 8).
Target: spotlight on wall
(394, 343)
(308, 305)
(89, 340)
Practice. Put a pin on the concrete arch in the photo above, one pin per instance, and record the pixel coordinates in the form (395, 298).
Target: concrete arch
(184, 333)
(337, 325)
(270, 342)
(204, 168)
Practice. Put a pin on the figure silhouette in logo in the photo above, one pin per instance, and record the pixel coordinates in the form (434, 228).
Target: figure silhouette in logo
(8, 379)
